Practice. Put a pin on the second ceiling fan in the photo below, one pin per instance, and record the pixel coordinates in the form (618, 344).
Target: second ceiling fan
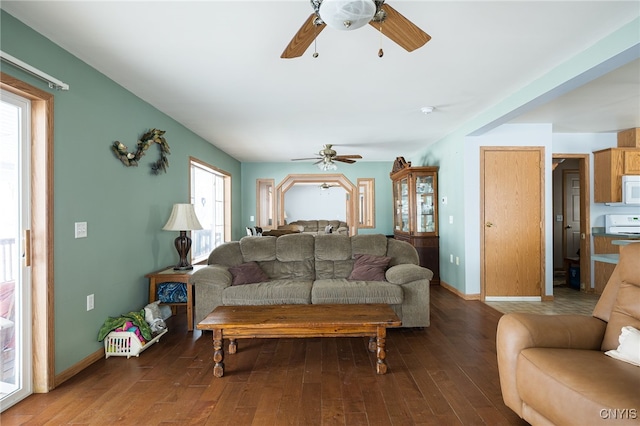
(326, 157)
(353, 14)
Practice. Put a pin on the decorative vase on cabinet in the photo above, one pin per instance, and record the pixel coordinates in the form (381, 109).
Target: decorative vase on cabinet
(415, 211)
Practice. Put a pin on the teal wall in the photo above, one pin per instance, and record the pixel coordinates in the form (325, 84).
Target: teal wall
(125, 208)
(379, 170)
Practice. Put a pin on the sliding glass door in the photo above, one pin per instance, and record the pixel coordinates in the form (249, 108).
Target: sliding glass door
(15, 282)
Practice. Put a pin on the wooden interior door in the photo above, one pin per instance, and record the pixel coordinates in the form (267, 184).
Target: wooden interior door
(571, 213)
(512, 208)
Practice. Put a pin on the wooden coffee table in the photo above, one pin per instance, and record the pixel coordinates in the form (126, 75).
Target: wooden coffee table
(275, 321)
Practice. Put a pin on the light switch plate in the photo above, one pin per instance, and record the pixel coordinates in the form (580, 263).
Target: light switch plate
(81, 230)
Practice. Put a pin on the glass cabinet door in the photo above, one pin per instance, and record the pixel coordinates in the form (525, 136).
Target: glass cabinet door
(401, 213)
(425, 199)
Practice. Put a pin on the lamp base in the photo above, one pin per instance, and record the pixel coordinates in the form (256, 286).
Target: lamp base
(182, 268)
(183, 244)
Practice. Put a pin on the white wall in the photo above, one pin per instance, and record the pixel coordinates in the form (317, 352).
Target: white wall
(554, 143)
(505, 135)
(309, 202)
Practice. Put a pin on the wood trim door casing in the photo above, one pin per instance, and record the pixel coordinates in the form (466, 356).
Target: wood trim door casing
(41, 230)
(337, 178)
(585, 217)
(540, 150)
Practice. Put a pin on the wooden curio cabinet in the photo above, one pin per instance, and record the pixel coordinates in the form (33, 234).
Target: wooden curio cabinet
(415, 211)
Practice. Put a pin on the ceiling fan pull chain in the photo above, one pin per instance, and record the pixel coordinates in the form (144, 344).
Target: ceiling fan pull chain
(315, 43)
(380, 52)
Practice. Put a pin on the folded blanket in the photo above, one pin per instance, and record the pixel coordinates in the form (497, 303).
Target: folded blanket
(137, 318)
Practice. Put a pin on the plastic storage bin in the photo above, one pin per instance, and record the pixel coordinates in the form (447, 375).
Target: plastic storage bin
(574, 277)
(126, 343)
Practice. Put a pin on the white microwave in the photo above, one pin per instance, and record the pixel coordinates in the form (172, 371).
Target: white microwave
(631, 189)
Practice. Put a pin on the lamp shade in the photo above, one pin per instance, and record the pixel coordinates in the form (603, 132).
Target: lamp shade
(183, 218)
(347, 14)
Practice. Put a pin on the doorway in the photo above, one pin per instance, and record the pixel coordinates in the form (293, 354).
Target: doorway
(512, 214)
(39, 253)
(15, 281)
(571, 217)
(340, 180)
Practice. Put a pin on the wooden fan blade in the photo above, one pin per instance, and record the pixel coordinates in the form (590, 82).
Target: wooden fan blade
(303, 38)
(344, 160)
(349, 156)
(402, 31)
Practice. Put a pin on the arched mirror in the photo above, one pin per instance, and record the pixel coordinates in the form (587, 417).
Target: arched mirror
(316, 191)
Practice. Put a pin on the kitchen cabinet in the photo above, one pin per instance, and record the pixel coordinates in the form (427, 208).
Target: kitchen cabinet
(415, 211)
(609, 166)
(603, 270)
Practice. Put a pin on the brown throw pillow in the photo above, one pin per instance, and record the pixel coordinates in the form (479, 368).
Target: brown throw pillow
(247, 273)
(369, 267)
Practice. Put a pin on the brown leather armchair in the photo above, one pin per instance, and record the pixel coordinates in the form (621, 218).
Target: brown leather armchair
(553, 369)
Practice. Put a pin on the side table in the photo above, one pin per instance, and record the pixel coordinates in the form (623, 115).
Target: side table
(173, 276)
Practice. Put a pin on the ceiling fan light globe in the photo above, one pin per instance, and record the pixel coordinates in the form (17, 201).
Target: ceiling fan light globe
(347, 15)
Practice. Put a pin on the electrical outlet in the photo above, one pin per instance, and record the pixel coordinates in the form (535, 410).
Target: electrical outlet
(81, 230)
(457, 260)
(89, 302)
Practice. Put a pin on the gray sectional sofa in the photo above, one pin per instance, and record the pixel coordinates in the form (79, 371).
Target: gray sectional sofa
(318, 226)
(318, 269)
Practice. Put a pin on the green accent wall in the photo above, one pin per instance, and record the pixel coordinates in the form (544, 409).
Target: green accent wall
(125, 207)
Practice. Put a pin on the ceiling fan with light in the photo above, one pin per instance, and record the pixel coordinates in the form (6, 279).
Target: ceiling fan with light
(350, 15)
(326, 186)
(327, 156)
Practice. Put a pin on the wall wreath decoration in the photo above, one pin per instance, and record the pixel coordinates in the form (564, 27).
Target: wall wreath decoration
(131, 159)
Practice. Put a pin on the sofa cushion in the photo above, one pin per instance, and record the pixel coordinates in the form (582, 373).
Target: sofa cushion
(368, 267)
(341, 291)
(294, 247)
(277, 292)
(247, 273)
(333, 256)
(375, 244)
(573, 386)
(258, 249)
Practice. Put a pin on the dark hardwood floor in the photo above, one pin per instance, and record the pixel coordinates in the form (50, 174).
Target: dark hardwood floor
(445, 374)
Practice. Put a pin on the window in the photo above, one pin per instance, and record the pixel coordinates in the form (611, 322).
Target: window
(211, 198)
(366, 203)
(265, 204)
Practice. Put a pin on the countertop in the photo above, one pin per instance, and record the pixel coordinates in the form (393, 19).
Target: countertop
(599, 231)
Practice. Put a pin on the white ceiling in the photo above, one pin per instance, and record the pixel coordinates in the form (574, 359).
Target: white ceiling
(215, 67)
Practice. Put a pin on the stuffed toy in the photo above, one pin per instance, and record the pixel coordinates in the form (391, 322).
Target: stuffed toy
(153, 317)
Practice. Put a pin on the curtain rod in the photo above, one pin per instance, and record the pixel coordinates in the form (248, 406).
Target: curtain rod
(54, 83)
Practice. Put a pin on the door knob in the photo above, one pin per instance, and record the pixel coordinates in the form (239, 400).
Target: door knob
(567, 227)
(489, 224)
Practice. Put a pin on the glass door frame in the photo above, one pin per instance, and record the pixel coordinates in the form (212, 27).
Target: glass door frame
(20, 384)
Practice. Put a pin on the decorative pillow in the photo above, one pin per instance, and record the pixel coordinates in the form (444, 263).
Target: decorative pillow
(328, 229)
(247, 273)
(369, 267)
(629, 349)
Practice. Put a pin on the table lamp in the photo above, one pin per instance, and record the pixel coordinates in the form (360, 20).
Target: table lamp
(183, 218)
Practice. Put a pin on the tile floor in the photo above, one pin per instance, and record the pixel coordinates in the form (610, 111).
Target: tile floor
(566, 301)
